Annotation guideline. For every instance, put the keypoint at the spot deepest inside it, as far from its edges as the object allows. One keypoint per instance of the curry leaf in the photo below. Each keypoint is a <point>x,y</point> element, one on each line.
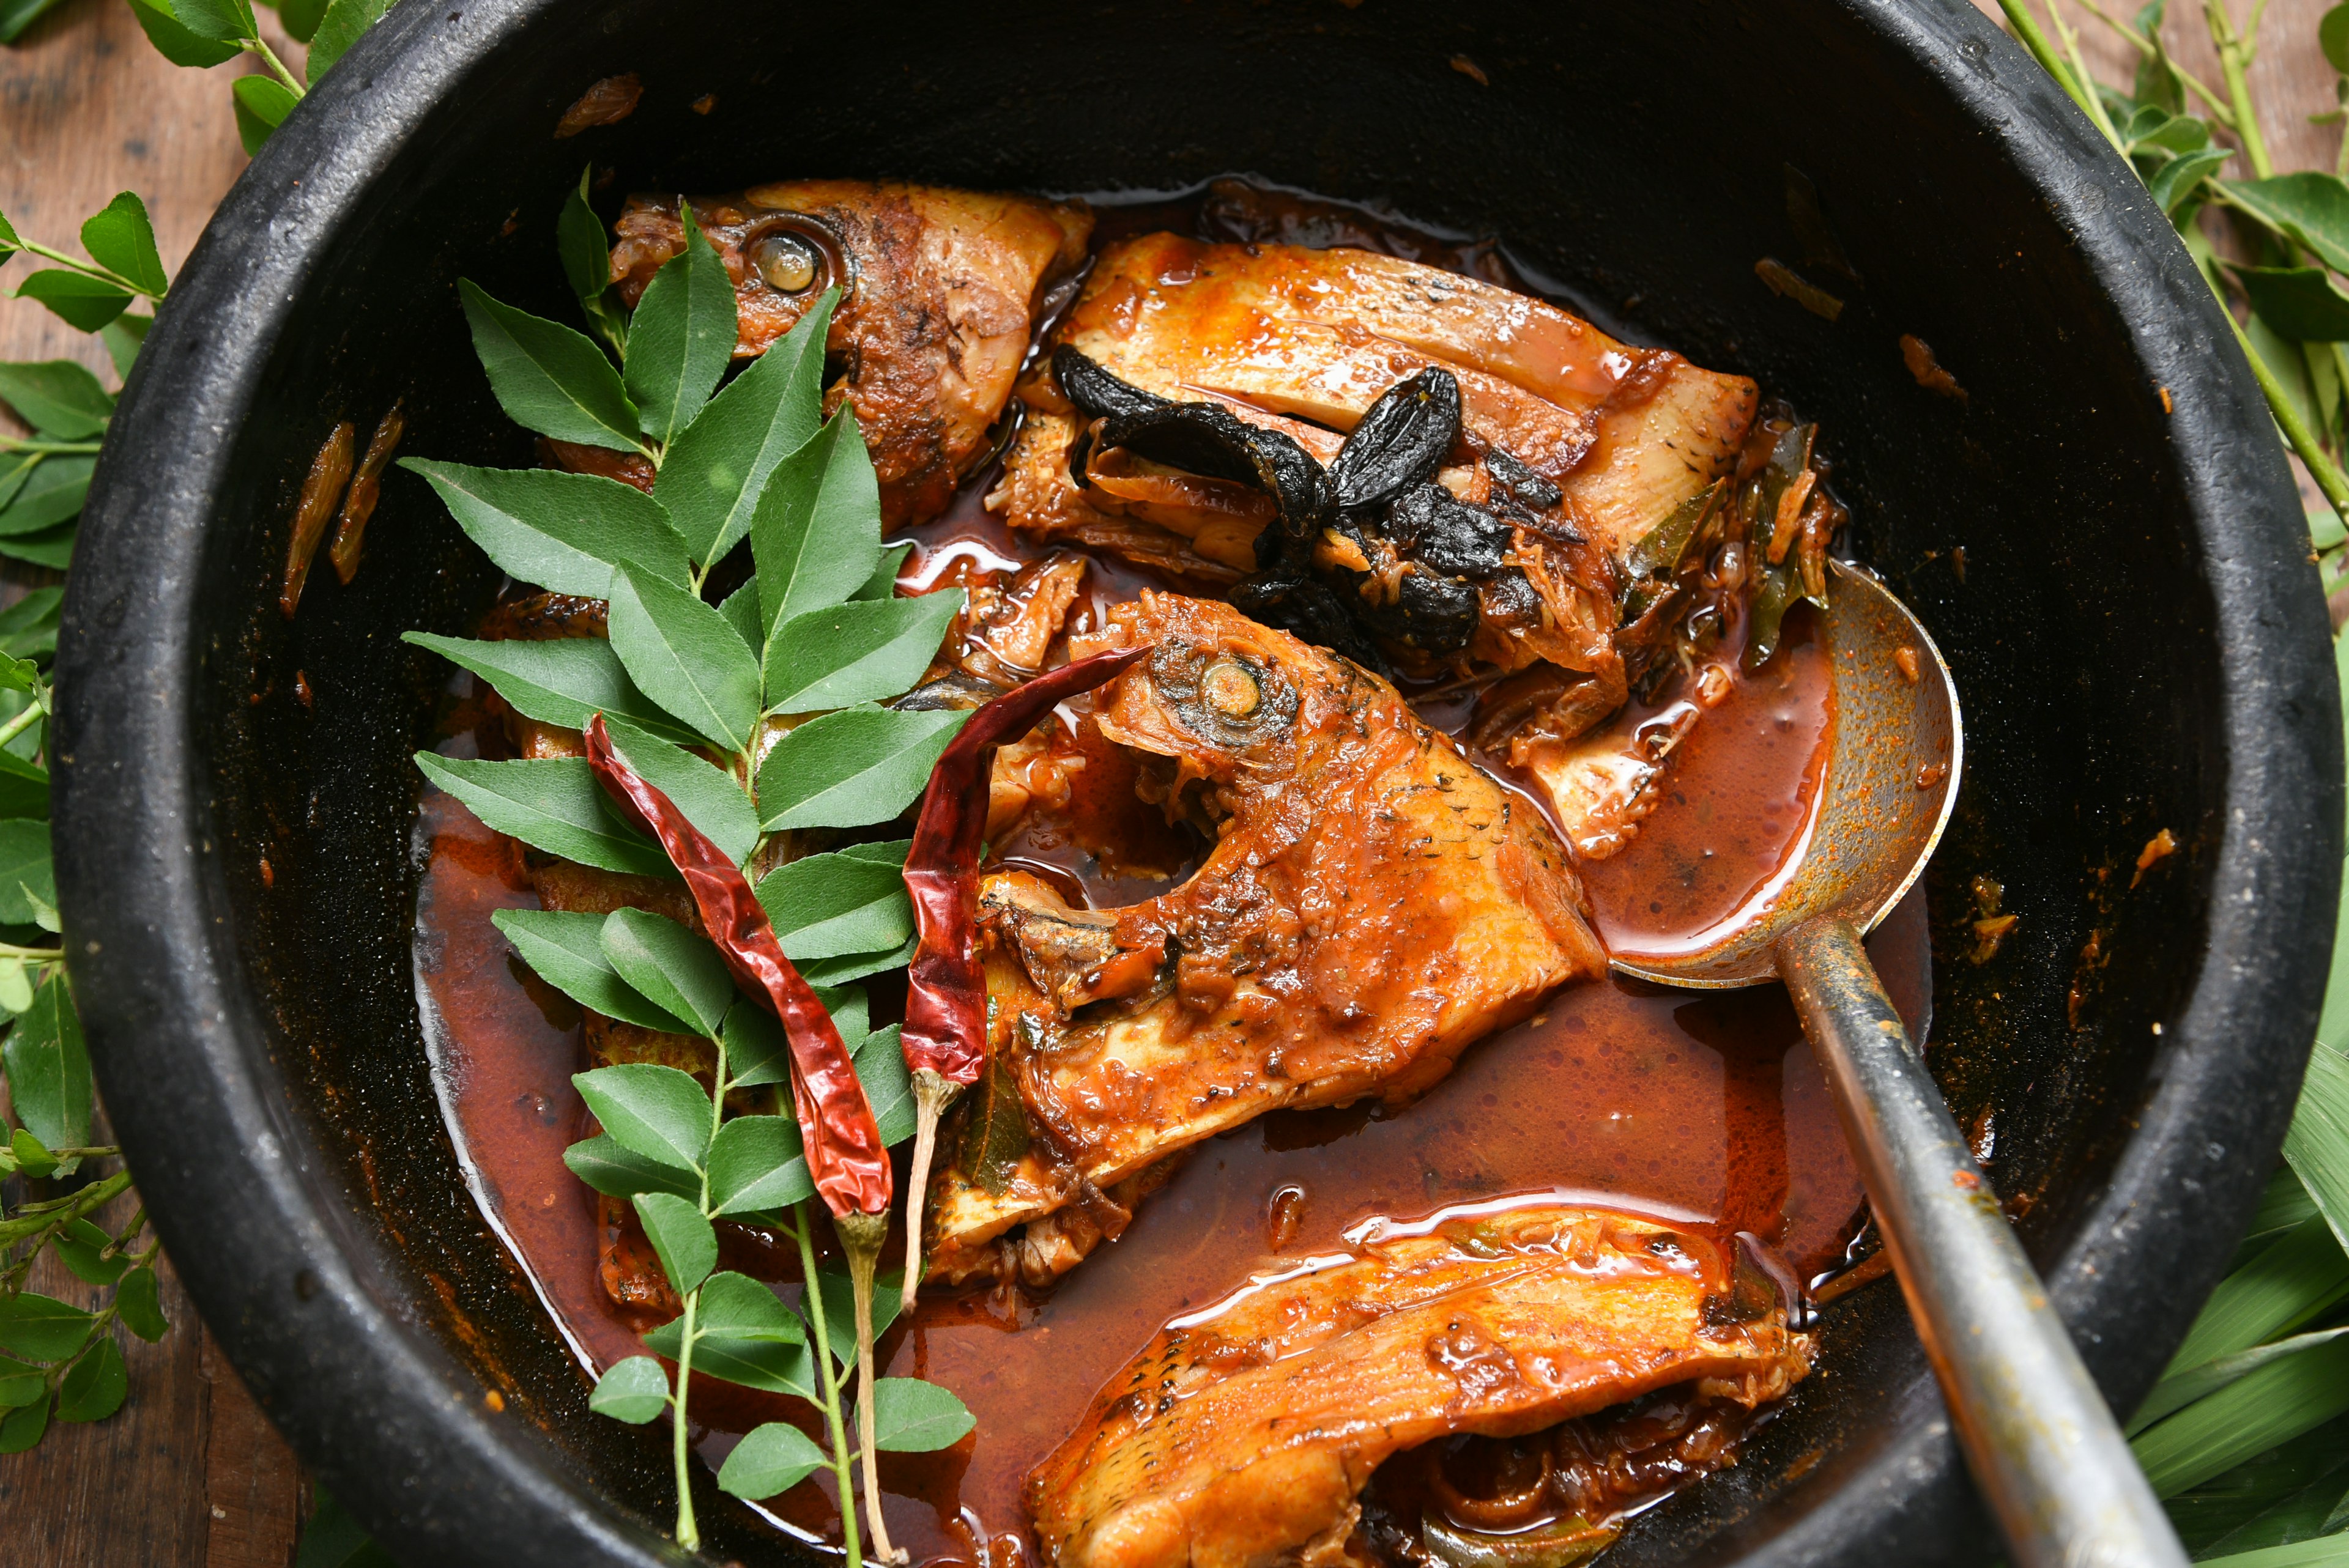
<point>756,1049</point>
<point>123,337</point>
<point>772,1458</point>
<point>682,1236</point>
<point>840,1310</point>
<point>135,1303</point>
<point>912,1417</point>
<point>566,949</point>
<point>839,971</point>
<point>95,1388</point>
<point>853,768</point>
<point>831,905</point>
<point>176,42</point>
<point>2302,304</point>
<point>863,651</point>
<point>20,1384</point>
<point>679,970</point>
<point>681,336</point>
<point>60,399</point>
<point>564,681</point>
<point>25,873</point>
<point>51,547</point>
<point>744,1335</point>
<point>712,477</point>
<point>888,1086</point>
<point>758,1163</point>
<point>547,377</point>
<point>119,238</point>
<point>816,533</point>
<point>24,787</point>
<point>262,104</point>
<point>83,302</point>
<point>685,656</point>
<point>709,799</point>
<point>338,28</point>
<point>995,1134</point>
<point>561,532</point>
<point>579,240</point>
<point>609,1167</point>
<point>49,495</point>
<point>2310,207</point>
<point>550,803</point>
<point>634,1390</point>
<point>656,1112</point>
<point>41,1327</point>
<point>16,16</point>
<point>2175,181</point>
<point>222,21</point>
<point>741,612</point>
<point>82,1245</point>
<point>48,1068</point>
<point>883,583</point>
<point>22,1428</point>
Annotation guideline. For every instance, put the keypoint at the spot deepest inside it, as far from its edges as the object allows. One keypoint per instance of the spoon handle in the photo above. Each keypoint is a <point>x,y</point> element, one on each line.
<point>2042,1446</point>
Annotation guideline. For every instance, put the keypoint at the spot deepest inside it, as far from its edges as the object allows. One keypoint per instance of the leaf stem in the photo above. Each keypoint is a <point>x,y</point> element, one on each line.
<point>2235,53</point>
<point>2090,100</point>
<point>89,269</point>
<point>33,713</point>
<point>2146,47</point>
<point>34,444</point>
<point>259,46</point>
<point>842,1468</point>
<point>41,955</point>
<point>2321,466</point>
<point>2027,30</point>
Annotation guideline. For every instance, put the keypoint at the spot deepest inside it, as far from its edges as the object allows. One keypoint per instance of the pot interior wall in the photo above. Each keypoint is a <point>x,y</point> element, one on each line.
<point>1633,156</point>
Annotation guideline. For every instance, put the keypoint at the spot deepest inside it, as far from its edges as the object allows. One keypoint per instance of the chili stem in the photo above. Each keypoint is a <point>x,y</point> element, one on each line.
<point>932,1095</point>
<point>861,1236</point>
<point>842,1472</point>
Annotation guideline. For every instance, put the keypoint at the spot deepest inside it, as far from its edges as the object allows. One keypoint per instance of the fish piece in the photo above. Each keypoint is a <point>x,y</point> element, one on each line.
<point>1373,904</point>
<point>1244,1435</point>
<point>942,289</point>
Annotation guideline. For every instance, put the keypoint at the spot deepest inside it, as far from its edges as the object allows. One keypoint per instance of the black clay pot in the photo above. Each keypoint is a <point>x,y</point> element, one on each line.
<point>2133,622</point>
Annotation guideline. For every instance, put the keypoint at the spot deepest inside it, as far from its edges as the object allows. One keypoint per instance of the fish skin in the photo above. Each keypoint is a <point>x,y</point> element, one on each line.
<point>1374,905</point>
<point>946,290</point>
<point>1242,1435</point>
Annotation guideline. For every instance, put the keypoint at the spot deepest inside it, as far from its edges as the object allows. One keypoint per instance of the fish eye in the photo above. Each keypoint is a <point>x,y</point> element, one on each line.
<point>785,261</point>
<point>1231,688</point>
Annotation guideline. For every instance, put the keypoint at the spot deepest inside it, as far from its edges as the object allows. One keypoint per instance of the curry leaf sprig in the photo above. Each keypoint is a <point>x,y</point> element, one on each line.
<point>765,718</point>
<point>2245,1437</point>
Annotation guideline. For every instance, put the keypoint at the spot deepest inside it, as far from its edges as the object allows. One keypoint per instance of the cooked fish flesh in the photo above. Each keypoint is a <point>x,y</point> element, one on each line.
<point>1244,1436</point>
<point>1371,906</point>
<point>941,291</point>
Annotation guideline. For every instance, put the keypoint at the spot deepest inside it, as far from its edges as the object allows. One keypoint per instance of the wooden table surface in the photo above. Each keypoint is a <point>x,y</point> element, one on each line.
<point>190,1473</point>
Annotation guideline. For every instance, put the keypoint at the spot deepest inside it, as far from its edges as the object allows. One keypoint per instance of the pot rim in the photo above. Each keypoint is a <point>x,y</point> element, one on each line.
<point>180,1052</point>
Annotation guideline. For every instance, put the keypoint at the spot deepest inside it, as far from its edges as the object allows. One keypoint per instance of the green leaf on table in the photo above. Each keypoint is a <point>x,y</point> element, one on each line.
<point>25,864</point>
<point>82,1245</point>
<point>2274,1405</point>
<point>51,547</point>
<point>656,1112</point>
<point>20,1384</point>
<point>563,532</point>
<point>2175,181</point>
<point>28,628</point>
<point>883,583</point>
<point>119,238</point>
<point>681,338</point>
<point>853,768</point>
<point>135,1302</point>
<point>10,240</point>
<point>912,1417</point>
<point>831,905</point>
<point>262,104</point>
<point>2301,304</point>
<point>681,971</point>
<point>124,336</point>
<point>816,533</point>
<point>743,1334</point>
<point>707,796</point>
<point>2333,37</point>
<point>682,1236</point>
<point>758,1163</point>
<point>51,494</point>
<point>16,15</point>
<point>550,803</point>
<point>82,302</point>
<point>772,1459</point>
<point>712,477</point>
<point>684,655</point>
<point>2178,1389</point>
<point>23,1427</point>
<point>861,651</point>
<point>338,28</point>
<point>562,680</point>
<point>566,950</point>
<point>840,1310</point>
<point>548,377</point>
<point>300,18</point>
<point>880,1072</point>
<point>48,1069</point>
<point>634,1390</point>
<point>60,399</point>
<point>95,1388</point>
<point>2299,1272</point>
<point>24,787</point>
<point>222,21</point>
<point>2310,207</point>
<point>2317,1144</point>
<point>40,1327</point>
<point>611,1168</point>
<point>175,41</point>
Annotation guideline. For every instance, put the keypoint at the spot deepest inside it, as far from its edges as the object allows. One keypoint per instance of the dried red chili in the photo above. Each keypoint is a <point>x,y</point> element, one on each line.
<point>945,1035</point>
<point>846,1160</point>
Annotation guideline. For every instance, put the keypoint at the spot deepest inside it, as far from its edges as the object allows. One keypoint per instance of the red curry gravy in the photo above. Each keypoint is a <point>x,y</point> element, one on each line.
<point>1705,1106</point>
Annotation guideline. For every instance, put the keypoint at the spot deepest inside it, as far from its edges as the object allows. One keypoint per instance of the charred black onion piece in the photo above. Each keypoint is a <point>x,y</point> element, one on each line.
<point>1435,613</point>
<point>1399,441</point>
<point>1288,599</point>
<point>1521,481</point>
<point>1095,391</point>
<point>1203,438</point>
<point>1427,524</point>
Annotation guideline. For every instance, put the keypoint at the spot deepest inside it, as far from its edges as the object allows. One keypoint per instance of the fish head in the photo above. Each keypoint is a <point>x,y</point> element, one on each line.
<point>1218,693</point>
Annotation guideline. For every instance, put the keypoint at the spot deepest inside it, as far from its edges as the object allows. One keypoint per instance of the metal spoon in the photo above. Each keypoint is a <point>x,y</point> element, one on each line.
<point>2042,1443</point>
